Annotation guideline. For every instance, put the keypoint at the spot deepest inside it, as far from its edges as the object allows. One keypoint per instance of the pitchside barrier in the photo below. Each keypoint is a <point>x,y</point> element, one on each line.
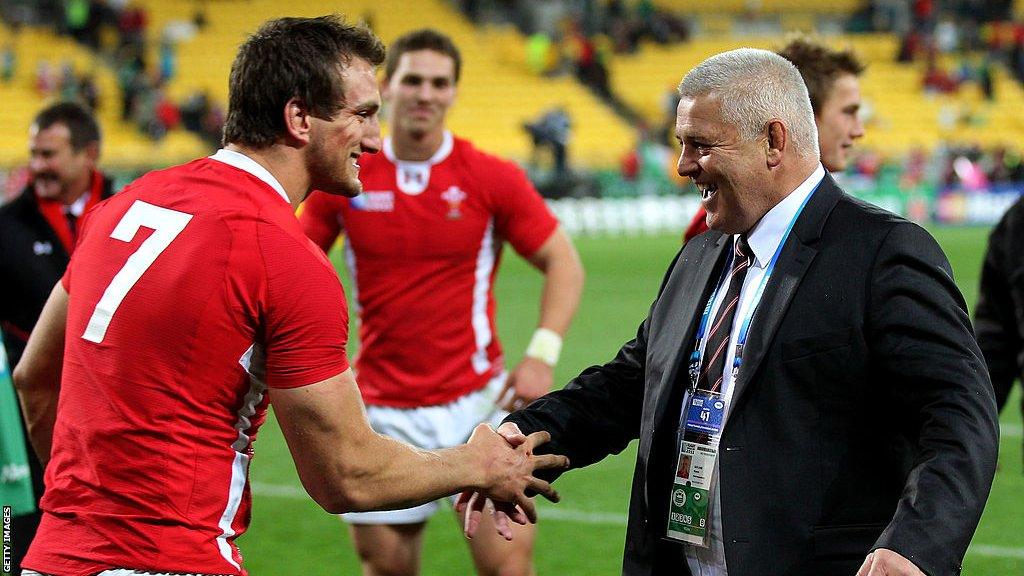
<point>649,215</point>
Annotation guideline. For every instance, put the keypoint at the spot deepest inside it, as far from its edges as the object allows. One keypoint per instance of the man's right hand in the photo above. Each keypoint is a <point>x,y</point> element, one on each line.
<point>508,468</point>
<point>504,510</point>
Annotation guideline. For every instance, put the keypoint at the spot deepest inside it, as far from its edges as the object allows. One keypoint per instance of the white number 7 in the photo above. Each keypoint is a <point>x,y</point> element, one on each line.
<point>167,224</point>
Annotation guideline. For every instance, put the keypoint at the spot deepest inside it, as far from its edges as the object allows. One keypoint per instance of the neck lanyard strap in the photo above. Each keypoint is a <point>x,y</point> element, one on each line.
<point>695,358</point>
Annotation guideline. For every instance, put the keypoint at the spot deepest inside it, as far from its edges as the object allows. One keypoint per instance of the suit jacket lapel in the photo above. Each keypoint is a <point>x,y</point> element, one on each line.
<point>681,318</point>
<point>795,259</point>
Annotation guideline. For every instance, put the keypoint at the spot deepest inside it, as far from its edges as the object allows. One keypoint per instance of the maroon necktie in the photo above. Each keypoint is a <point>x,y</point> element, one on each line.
<point>710,378</point>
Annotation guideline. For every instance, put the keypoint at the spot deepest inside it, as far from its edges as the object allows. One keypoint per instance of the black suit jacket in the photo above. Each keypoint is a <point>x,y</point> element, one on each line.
<point>863,416</point>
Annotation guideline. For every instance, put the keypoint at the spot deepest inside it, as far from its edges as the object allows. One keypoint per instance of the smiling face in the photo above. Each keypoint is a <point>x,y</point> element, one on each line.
<point>335,144</point>
<point>839,123</point>
<point>420,92</point>
<point>59,172</point>
<point>730,172</point>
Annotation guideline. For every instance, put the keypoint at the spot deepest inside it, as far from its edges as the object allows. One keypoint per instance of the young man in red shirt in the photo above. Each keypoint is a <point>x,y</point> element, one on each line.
<point>423,246</point>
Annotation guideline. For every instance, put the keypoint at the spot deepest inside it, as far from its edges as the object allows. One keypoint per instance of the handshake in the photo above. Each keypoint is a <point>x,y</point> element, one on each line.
<point>509,462</point>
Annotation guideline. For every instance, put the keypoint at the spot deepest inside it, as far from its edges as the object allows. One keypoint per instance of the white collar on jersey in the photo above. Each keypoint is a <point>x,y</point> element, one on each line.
<point>243,162</point>
<point>447,143</point>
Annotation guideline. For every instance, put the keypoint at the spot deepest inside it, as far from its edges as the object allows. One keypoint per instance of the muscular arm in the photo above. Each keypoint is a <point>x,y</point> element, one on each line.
<point>563,282</point>
<point>37,375</point>
<point>346,466</point>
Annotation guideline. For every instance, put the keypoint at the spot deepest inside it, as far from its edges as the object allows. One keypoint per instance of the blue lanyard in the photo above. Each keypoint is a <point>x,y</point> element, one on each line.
<point>696,359</point>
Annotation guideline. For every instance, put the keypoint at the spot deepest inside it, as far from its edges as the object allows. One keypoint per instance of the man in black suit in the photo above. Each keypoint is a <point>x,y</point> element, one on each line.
<point>855,430</point>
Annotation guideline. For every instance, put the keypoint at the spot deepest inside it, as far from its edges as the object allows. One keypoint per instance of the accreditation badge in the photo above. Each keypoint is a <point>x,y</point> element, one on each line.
<point>689,502</point>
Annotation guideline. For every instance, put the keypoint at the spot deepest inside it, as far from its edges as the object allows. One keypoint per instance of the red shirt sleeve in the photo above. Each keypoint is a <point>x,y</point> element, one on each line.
<point>306,318</point>
<point>520,214</point>
<point>320,218</point>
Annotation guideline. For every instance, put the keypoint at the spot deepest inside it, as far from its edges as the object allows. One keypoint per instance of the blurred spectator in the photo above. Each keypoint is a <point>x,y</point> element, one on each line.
<point>88,93</point>
<point>541,57</point>
<point>130,80</point>
<point>910,46</point>
<point>937,80</point>
<point>924,14</point>
<point>913,173</point>
<point>551,131</point>
<point>46,82</point>
<point>947,35</point>
<point>8,62</point>
<point>131,24</point>
<point>202,117</point>
<point>650,164</point>
<point>589,62</point>
<point>168,60</point>
<point>68,82</point>
<point>985,81</point>
<point>80,24</point>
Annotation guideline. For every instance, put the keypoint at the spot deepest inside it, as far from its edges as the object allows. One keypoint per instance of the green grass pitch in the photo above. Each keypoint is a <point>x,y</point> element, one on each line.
<point>584,534</point>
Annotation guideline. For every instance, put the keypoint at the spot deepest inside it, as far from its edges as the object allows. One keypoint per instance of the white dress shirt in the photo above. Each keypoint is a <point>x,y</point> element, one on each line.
<point>764,239</point>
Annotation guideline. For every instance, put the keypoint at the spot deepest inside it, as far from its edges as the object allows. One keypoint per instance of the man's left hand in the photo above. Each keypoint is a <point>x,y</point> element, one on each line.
<point>884,562</point>
<point>530,380</point>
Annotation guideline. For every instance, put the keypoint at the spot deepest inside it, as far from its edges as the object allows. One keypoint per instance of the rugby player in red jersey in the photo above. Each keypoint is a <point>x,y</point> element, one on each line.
<point>194,299</point>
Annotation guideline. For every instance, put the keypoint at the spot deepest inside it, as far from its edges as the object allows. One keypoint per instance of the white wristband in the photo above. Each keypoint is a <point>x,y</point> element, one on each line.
<point>546,346</point>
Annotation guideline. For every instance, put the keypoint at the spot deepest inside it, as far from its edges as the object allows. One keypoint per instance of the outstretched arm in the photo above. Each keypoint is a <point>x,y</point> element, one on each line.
<point>346,466</point>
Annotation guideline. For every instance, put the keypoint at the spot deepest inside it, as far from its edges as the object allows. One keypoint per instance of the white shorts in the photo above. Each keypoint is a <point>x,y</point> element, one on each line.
<point>432,428</point>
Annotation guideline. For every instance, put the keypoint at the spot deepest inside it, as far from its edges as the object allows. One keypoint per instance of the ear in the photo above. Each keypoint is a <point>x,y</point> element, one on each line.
<point>297,120</point>
<point>776,143</point>
<point>92,152</point>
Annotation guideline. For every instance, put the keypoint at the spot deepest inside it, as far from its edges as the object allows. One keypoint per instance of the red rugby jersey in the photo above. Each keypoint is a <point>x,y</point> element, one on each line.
<point>191,292</point>
<point>424,242</point>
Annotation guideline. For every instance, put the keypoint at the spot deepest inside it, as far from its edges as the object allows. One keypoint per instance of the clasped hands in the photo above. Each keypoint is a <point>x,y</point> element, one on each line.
<point>510,476</point>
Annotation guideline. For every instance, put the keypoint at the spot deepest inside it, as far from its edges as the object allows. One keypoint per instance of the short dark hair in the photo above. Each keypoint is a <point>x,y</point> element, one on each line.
<point>424,39</point>
<point>292,58</point>
<point>80,122</point>
<point>820,66</point>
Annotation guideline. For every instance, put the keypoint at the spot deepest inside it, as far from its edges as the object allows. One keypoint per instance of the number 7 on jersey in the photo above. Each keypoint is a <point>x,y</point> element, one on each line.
<point>167,224</point>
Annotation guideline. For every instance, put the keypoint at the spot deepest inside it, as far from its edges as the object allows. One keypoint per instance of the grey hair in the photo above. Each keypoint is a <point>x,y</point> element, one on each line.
<point>753,87</point>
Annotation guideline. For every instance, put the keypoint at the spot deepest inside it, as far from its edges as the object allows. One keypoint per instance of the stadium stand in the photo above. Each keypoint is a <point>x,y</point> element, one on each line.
<point>903,116</point>
<point>124,145</point>
<point>499,94</point>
